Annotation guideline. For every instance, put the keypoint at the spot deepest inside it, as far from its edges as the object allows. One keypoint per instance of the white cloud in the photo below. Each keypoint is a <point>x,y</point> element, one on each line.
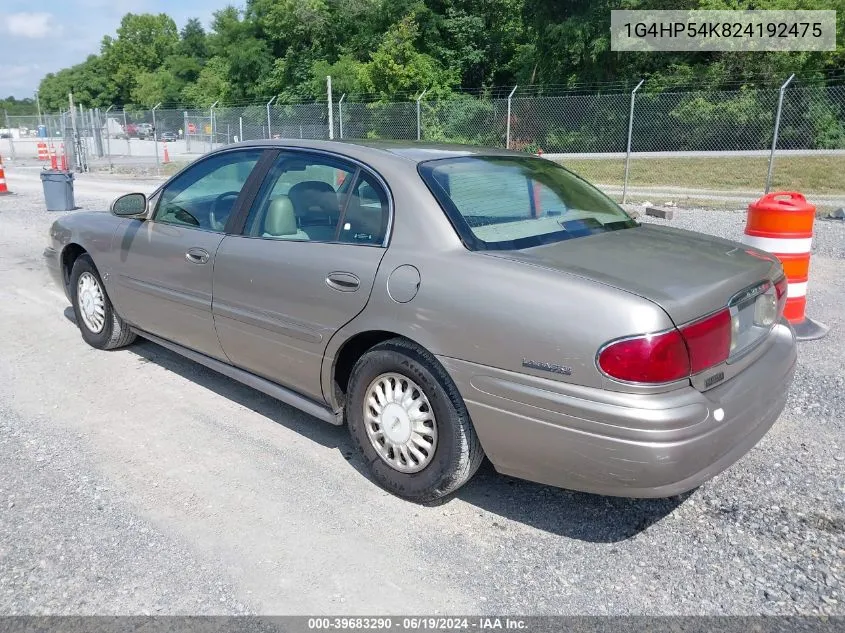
<point>31,25</point>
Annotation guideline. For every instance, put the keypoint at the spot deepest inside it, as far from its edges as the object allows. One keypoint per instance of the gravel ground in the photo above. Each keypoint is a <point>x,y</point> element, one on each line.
<point>137,482</point>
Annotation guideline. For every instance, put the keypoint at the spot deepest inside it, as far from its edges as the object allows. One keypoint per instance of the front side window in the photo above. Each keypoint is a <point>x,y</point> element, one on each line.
<point>204,195</point>
<point>515,202</point>
<point>319,199</point>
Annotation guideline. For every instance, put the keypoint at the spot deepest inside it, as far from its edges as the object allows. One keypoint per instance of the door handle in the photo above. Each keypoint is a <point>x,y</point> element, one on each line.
<point>345,282</point>
<point>197,255</point>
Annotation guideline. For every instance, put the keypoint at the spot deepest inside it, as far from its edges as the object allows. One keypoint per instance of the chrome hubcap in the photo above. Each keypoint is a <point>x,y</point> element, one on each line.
<point>92,302</point>
<point>400,422</point>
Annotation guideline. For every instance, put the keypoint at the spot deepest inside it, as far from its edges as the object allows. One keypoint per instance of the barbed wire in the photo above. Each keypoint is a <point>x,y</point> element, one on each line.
<point>654,84</point>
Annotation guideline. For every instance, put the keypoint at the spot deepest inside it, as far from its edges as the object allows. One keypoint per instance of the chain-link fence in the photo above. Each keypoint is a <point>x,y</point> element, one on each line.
<point>693,145</point>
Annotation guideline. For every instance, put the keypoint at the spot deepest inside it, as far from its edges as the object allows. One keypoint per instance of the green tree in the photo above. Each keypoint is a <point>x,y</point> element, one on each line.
<point>14,106</point>
<point>142,44</point>
<point>193,41</point>
<point>160,86</point>
<point>211,85</point>
<point>398,68</point>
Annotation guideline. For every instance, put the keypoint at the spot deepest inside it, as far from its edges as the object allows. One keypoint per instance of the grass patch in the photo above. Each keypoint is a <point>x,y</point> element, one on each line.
<point>807,174</point>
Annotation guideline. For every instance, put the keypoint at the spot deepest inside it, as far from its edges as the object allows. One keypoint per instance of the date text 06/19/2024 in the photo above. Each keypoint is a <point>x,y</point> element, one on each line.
<point>420,623</point>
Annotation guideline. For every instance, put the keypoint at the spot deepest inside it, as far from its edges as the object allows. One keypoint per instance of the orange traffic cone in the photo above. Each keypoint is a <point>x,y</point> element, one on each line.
<point>166,154</point>
<point>3,188</point>
<point>64,158</point>
<point>54,163</point>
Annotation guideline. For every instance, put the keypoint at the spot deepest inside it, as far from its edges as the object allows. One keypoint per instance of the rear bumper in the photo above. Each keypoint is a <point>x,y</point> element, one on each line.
<point>623,444</point>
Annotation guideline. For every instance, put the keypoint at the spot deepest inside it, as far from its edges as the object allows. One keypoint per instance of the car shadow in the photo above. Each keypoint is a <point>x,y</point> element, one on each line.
<point>306,425</point>
<point>576,515</point>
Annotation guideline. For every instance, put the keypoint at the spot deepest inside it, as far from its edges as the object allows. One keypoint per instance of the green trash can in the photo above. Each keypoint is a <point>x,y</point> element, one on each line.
<point>58,189</point>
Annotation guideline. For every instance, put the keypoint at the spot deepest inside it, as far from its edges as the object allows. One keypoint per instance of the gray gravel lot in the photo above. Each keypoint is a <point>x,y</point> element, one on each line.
<point>136,482</point>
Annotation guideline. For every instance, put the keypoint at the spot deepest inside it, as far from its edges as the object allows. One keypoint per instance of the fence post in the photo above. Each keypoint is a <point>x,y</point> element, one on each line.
<point>126,132</point>
<point>241,128</point>
<point>508,126</point>
<point>211,125</point>
<point>11,140</point>
<point>775,133</point>
<point>269,132</point>
<point>419,120</point>
<point>72,108</point>
<point>185,128</point>
<point>108,136</point>
<point>155,136</point>
<point>340,113</point>
<point>628,150</point>
<point>96,131</point>
<point>331,106</point>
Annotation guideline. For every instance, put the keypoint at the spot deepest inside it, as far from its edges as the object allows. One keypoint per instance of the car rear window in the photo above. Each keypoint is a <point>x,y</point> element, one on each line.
<point>504,202</point>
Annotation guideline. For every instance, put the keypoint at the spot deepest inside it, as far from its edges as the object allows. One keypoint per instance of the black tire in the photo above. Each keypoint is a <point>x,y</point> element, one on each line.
<point>458,453</point>
<point>115,332</point>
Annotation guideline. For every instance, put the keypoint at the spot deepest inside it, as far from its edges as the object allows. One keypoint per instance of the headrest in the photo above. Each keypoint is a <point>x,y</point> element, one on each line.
<point>280,218</point>
<point>314,196</point>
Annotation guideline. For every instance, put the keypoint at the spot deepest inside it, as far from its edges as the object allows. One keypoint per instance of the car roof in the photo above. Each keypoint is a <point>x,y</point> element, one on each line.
<point>411,151</point>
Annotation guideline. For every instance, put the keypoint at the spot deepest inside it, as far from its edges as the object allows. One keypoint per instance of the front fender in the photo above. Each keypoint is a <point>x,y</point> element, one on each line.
<point>89,232</point>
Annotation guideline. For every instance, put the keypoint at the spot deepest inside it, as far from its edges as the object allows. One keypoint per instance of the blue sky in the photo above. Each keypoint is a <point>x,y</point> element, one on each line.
<point>38,38</point>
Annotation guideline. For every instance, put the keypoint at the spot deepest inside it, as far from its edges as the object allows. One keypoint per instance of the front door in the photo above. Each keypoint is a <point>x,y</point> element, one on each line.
<point>303,267</point>
<point>165,269</point>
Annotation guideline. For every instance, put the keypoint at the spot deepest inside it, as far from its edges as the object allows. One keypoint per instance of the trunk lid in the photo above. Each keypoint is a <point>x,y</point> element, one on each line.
<point>687,274</point>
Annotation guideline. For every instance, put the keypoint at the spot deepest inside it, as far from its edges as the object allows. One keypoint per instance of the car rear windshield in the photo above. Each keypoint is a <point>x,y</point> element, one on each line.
<point>504,202</point>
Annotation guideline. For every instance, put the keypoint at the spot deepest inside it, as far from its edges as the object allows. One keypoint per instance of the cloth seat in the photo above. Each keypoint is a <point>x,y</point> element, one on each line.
<point>280,221</point>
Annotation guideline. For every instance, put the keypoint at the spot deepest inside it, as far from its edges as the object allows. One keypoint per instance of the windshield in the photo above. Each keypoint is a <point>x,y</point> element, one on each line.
<point>504,202</point>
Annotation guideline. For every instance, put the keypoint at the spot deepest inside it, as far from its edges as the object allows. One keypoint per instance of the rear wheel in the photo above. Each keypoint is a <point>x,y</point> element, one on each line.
<point>406,417</point>
<point>99,324</point>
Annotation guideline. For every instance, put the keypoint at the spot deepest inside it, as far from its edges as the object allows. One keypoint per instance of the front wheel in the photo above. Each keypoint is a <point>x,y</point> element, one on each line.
<point>99,324</point>
<point>408,420</point>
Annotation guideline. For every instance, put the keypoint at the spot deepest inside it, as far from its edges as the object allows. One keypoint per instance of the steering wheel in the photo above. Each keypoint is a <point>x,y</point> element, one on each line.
<point>219,213</point>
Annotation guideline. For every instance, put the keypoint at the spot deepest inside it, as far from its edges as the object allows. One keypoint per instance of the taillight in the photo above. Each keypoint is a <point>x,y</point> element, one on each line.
<point>672,355</point>
<point>700,345</point>
<point>653,358</point>
<point>781,287</point>
<point>708,340</point>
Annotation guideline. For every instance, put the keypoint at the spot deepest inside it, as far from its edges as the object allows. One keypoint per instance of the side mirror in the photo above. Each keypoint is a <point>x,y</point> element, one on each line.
<point>131,205</point>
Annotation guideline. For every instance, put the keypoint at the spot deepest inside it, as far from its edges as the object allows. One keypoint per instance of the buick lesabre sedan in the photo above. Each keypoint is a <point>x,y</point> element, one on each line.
<point>447,303</point>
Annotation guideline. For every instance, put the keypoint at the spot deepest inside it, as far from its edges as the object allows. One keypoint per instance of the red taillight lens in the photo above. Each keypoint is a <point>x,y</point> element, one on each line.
<point>651,358</point>
<point>781,287</point>
<point>708,340</point>
<point>673,355</point>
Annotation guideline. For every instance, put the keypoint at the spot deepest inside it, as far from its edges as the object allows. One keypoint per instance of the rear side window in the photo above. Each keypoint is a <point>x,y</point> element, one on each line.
<point>316,198</point>
<point>515,202</point>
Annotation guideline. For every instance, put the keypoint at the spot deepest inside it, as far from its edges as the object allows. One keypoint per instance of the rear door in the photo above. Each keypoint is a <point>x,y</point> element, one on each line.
<point>164,272</point>
<point>302,267</point>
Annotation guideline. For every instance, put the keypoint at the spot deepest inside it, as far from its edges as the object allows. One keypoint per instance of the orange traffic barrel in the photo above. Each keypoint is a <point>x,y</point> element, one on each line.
<point>43,152</point>
<point>3,188</point>
<point>782,224</point>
